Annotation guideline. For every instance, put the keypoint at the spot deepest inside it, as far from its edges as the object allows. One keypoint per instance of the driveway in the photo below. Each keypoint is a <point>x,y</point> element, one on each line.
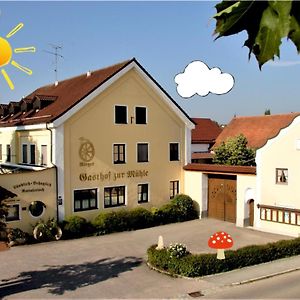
<point>111,266</point>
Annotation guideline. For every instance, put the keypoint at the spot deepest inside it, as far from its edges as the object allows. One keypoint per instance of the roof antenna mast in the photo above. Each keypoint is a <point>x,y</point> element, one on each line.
<point>57,55</point>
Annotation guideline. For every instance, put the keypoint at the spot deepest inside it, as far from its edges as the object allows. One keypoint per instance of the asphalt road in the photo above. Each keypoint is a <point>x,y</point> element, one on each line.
<point>279,287</point>
<point>111,266</point>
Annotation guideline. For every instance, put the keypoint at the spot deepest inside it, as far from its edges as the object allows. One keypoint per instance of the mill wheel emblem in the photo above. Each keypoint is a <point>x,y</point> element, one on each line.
<point>86,150</point>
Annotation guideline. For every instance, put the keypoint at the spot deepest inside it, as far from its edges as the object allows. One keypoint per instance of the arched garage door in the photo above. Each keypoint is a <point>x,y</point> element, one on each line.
<point>222,197</point>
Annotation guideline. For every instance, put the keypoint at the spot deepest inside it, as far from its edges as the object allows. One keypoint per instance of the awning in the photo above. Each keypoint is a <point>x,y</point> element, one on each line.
<point>5,194</point>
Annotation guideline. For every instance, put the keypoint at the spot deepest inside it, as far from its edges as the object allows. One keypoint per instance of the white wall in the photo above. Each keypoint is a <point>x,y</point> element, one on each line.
<point>200,147</point>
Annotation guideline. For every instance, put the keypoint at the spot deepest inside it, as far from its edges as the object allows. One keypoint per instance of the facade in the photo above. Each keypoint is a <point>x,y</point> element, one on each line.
<point>263,197</point>
<point>114,138</point>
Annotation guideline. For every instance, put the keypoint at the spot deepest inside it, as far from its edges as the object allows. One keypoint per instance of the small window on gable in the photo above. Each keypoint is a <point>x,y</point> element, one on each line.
<point>120,114</point>
<point>281,176</point>
<point>174,151</point>
<point>142,152</point>
<point>119,153</point>
<point>140,115</point>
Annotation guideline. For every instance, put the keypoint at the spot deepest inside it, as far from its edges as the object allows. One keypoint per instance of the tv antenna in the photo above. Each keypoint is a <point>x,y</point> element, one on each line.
<point>57,55</point>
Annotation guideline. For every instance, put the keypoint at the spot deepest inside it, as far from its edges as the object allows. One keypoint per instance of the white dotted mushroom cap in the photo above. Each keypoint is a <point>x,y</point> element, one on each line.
<point>220,240</point>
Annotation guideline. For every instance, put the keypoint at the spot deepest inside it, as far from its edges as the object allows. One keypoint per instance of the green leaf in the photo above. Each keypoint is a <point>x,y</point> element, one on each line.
<point>274,25</point>
<point>294,33</point>
<point>232,19</point>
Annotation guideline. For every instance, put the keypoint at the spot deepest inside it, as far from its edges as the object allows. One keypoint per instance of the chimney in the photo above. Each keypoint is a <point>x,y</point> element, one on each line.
<point>88,73</point>
<point>56,83</point>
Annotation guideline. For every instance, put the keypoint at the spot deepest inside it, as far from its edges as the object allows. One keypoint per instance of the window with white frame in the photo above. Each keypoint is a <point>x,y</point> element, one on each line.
<point>32,154</point>
<point>143,193</point>
<point>114,196</point>
<point>174,188</point>
<point>13,213</point>
<point>44,158</point>
<point>140,115</point>
<point>85,199</point>
<point>174,151</point>
<point>24,154</point>
<point>281,176</point>
<point>120,114</point>
<point>142,152</point>
<point>119,153</point>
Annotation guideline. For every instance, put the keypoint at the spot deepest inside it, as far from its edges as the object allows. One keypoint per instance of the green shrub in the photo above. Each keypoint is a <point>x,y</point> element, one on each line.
<point>76,226</point>
<point>140,218</point>
<point>184,206</point>
<point>112,221</point>
<point>205,264</point>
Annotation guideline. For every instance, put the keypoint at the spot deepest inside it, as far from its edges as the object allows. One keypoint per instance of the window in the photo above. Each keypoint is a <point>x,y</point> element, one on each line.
<point>140,115</point>
<point>24,154</point>
<point>36,208</point>
<point>13,213</point>
<point>143,193</point>
<point>282,176</point>
<point>119,153</point>
<point>0,152</point>
<point>120,114</point>
<point>85,199</point>
<point>142,152</point>
<point>114,196</point>
<point>174,188</point>
<point>44,158</point>
<point>32,154</point>
<point>8,153</point>
<point>174,151</point>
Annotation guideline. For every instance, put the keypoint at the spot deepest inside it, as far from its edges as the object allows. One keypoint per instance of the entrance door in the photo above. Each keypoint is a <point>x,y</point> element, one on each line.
<point>251,212</point>
<point>222,197</point>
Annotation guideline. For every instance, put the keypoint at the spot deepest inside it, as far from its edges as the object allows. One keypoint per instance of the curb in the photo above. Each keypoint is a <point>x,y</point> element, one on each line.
<point>263,277</point>
<point>228,284</point>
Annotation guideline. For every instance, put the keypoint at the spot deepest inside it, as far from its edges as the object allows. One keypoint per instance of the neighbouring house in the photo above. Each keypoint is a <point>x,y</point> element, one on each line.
<point>264,196</point>
<point>204,136</point>
<point>103,140</point>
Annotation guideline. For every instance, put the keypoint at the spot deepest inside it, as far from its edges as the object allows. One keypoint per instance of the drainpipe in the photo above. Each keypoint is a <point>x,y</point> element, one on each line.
<point>56,172</point>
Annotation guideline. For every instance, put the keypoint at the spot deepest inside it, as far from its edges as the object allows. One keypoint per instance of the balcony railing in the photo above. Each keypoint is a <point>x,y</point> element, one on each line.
<point>279,214</point>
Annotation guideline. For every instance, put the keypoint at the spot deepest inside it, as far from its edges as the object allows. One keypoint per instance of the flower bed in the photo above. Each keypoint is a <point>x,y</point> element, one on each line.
<point>196,265</point>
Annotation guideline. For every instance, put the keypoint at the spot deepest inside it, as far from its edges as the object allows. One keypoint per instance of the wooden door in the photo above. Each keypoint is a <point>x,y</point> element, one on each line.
<point>251,212</point>
<point>222,197</point>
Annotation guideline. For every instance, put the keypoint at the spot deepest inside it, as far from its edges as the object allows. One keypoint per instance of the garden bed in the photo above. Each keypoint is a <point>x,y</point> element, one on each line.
<point>197,265</point>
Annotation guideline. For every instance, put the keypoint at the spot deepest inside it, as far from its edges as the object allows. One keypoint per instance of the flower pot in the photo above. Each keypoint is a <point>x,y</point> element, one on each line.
<point>3,246</point>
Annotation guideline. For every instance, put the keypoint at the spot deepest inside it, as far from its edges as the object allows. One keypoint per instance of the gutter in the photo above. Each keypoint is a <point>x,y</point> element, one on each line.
<point>56,172</point>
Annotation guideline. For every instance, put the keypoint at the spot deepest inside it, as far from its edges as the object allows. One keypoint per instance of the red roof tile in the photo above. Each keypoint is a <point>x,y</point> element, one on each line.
<point>257,129</point>
<point>64,95</point>
<point>206,131</point>
<point>210,168</point>
<point>202,155</point>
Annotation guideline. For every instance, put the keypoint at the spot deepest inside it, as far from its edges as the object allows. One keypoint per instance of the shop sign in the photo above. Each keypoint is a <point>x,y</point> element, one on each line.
<point>32,186</point>
<point>86,152</point>
<point>103,176</point>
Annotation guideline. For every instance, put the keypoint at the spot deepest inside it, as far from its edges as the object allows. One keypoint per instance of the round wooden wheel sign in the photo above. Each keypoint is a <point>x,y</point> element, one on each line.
<point>86,151</point>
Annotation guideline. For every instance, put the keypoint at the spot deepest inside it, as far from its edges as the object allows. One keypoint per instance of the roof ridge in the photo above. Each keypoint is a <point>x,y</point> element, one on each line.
<point>266,116</point>
<point>84,74</point>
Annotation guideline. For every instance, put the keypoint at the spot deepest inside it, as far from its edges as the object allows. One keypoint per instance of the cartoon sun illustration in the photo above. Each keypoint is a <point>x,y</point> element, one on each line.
<point>6,53</point>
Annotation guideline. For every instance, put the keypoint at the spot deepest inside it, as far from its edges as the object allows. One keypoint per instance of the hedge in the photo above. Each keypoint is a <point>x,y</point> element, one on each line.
<point>196,265</point>
<point>179,209</point>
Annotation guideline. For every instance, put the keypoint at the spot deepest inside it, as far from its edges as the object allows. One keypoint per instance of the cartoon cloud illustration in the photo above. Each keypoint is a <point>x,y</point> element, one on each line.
<point>198,78</point>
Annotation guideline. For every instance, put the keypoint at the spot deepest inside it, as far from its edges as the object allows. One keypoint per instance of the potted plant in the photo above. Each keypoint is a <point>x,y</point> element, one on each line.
<point>3,234</point>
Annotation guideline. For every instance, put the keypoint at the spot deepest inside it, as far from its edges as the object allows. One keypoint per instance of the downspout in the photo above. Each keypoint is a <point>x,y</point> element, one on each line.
<point>56,172</point>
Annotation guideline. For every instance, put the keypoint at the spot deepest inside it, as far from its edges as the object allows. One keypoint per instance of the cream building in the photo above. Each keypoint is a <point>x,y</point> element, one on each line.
<point>104,140</point>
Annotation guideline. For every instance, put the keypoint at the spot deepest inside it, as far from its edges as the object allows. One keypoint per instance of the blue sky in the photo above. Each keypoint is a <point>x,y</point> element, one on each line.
<point>164,37</point>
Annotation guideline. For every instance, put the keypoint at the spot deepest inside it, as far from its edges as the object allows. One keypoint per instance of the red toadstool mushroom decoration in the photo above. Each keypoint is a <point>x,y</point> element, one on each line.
<point>220,241</point>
